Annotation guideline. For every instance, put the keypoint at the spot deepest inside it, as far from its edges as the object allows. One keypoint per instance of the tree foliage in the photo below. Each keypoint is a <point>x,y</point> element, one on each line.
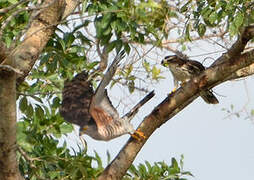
<point>100,27</point>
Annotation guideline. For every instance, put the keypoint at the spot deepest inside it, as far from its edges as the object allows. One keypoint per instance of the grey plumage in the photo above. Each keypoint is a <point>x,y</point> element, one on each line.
<point>93,111</point>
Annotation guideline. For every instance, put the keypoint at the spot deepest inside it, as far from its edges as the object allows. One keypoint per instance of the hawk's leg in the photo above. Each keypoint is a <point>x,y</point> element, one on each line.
<point>138,135</point>
<point>176,85</point>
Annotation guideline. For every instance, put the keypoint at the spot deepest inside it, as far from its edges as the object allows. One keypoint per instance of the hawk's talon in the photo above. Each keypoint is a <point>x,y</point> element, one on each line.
<point>174,90</point>
<point>138,135</point>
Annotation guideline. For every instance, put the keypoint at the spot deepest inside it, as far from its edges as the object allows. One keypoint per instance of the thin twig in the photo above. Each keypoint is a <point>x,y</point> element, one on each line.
<point>5,10</point>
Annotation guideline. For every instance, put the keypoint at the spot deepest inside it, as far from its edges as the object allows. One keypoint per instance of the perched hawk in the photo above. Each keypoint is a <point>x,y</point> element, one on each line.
<point>183,70</point>
<point>93,111</point>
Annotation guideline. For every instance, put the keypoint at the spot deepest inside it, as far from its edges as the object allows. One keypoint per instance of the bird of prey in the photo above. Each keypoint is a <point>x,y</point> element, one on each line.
<point>93,111</point>
<point>183,70</point>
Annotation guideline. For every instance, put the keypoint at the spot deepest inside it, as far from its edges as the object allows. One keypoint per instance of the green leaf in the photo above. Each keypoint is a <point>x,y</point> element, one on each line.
<point>148,165</point>
<point>142,169</point>
<point>84,5</point>
<point>155,73</point>
<point>91,65</point>
<point>22,137</point>
<point>56,102</point>
<point>110,46</point>
<point>61,41</point>
<point>29,110</point>
<point>252,112</point>
<point>187,32</point>
<point>23,104</point>
<point>39,112</point>
<point>131,86</point>
<point>213,17</point>
<point>98,159</point>
<point>105,21</point>
<point>181,161</point>
<point>184,8</point>
<point>13,1</point>
<point>133,170</point>
<point>232,29</point>
<point>129,70</point>
<point>108,157</point>
<point>201,29</point>
<point>66,128</point>
<point>238,20</point>
<point>146,65</point>
<point>127,48</point>
<point>68,39</point>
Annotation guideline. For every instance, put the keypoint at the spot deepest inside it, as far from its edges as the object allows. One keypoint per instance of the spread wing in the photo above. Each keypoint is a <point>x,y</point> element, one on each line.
<point>101,108</point>
<point>77,95</point>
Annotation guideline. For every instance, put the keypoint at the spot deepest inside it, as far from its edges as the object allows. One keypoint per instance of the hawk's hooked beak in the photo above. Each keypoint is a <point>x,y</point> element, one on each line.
<point>165,61</point>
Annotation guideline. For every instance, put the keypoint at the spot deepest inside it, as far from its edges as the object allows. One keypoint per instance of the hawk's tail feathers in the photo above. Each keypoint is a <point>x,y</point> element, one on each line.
<point>209,97</point>
<point>135,109</point>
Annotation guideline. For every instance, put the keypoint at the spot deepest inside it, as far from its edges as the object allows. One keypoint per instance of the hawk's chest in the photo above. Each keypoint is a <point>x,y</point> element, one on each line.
<point>179,73</point>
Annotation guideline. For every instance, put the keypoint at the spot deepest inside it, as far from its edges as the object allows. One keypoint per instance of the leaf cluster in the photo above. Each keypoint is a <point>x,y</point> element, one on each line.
<point>205,14</point>
<point>158,171</point>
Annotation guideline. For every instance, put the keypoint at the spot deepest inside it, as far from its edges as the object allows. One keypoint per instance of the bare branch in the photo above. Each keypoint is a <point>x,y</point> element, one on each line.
<point>103,56</point>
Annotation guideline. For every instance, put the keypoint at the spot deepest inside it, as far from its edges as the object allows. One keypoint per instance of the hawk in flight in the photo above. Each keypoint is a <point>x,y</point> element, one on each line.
<point>183,70</point>
<point>93,111</point>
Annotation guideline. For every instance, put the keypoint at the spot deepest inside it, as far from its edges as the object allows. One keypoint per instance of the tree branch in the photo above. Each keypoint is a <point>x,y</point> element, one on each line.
<point>4,51</point>
<point>9,166</point>
<point>21,60</point>
<point>42,27</point>
<point>238,47</point>
<point>175,102</point>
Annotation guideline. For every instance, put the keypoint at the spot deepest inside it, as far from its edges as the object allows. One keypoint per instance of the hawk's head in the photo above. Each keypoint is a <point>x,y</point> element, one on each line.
<point>172,61</point>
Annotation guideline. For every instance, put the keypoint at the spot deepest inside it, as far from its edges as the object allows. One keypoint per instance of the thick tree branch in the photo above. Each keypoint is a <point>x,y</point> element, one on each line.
<point>238,47</point>
<point>21,60</point>
<point>241,73</point>
<point>8,163</point>
<point>4,51</point>
<point>43,26</point>
<point>24,56</point>
<point>227,64</point>
<point>70,7</point>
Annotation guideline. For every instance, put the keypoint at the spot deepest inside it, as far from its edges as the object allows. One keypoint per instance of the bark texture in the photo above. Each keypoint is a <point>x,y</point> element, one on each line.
<point>42,27</point>
<point>222,70</point>
<point>22,58</point>
<point>8,162</point>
